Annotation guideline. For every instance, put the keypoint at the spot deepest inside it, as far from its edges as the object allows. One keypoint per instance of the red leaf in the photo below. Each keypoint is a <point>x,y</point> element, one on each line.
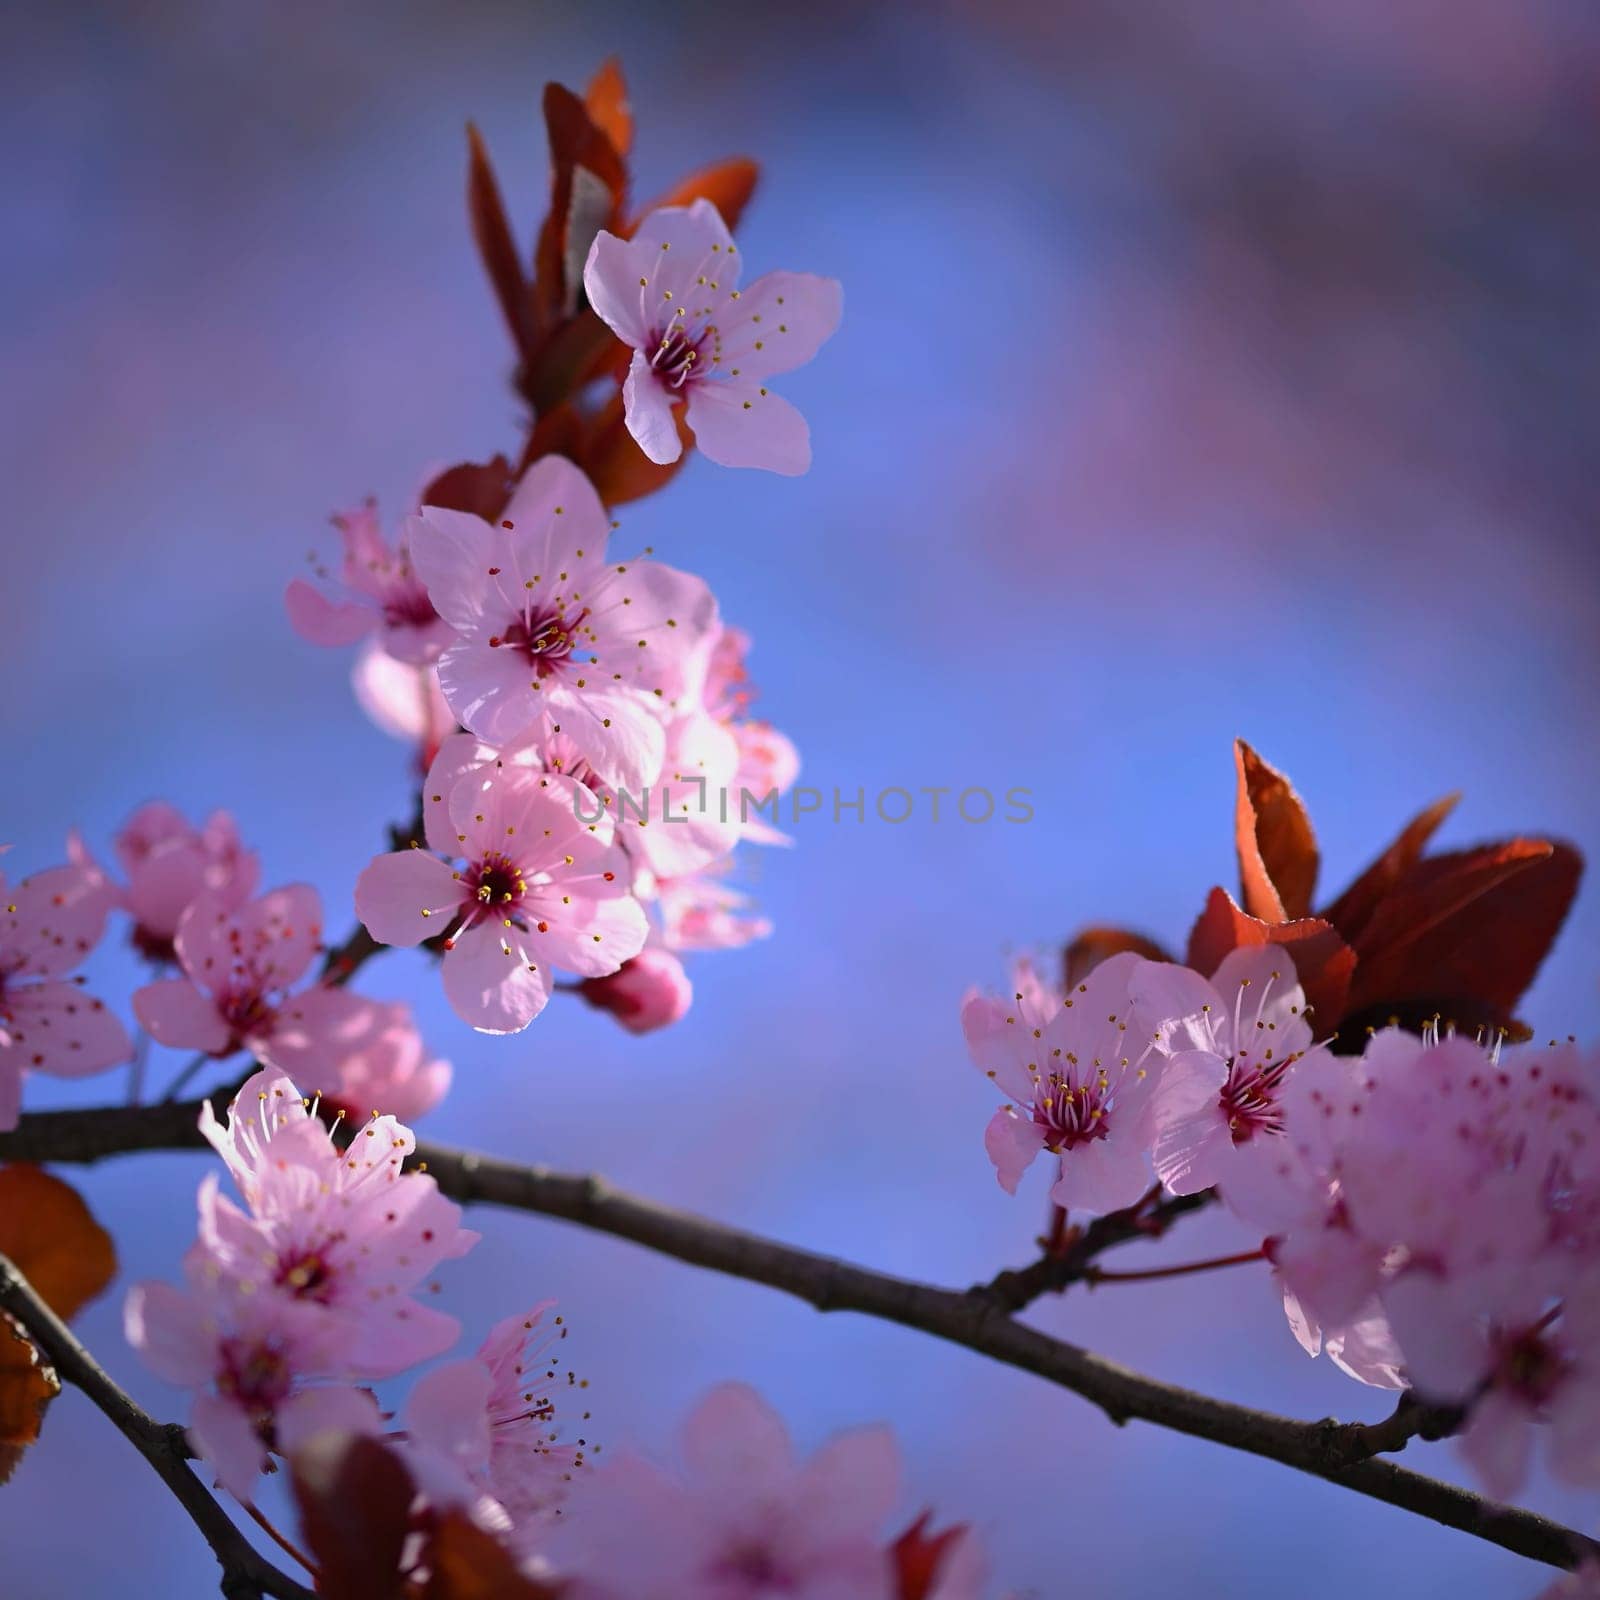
<point>55,1243</point>
<point>1277,849</point>
<point>479,487</point>
<point>575,142</point>
<point>465,1563</point>
<point>1349,913</point>
<point>1099,943</point>
<point>918,1557</point>
<point>1467,931</point>
<point>1323,962</point>
<point>728,185</point>
<point>606,101</point>
<point>496,246</point>
<point>355,1499</point>
<point>617,467</point>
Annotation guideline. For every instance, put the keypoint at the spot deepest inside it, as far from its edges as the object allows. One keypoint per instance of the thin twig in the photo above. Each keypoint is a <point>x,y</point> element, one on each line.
<point>1184,1269</point>
<point>1343,1453</point>
<point>246,1574</point>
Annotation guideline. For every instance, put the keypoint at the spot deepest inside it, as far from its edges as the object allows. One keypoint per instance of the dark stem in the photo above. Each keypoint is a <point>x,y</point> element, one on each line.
<point>246,1575</point>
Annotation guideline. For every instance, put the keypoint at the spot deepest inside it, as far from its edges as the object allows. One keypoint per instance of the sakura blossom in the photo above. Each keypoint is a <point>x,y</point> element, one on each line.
<point>386,596</point>
<point>169,863</point>
<point>247,1358</point>
<point>536,888</point>
<point>551,635</point>
<point>672,293</point>
<point>651,991</point>
<point>702,911</point>
<point>238,970</point>
<point>1079,1084</point>
<point>483,1433</point>
<point>382,1064</point>
<point>345,1230</point>
<point>741,1519</point>
<point>1230,1044</point>
<point>49,924</point>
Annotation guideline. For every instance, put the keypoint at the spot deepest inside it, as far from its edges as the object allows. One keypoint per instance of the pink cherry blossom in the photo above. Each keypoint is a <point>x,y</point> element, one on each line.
<point>250,1357</point>
<point>536,887</point>
<point>672,293</point>
<point>1079,1084</point>
<point>742,1520</point>
<point>689,817</point>
<point>345,1231</point>
<point>702,912</point>
<point>1230,1044</point>
<point>48,924</point>
<point>404,701</point>
<point>649,992</point>
<point>382,1064</point>
<point>170,863</point>
<point>238,970</point>
<point>482,1433</point>
<point>386,596</point>
<point>549,634</point>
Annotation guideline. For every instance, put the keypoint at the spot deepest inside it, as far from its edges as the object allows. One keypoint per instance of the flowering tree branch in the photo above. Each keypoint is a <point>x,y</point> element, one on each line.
<point>980,1318</point>
<point>246,1575</point>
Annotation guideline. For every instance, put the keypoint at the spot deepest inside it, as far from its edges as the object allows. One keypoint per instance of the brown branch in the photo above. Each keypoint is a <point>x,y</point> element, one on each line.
<point>246,1575</point>
<point>1343,1453</point>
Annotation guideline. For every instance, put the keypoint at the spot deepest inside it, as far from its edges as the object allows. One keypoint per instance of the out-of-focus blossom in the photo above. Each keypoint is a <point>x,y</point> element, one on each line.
<point>548,633</point>
<point>249,1357</point>
<point>671,292</point>
<point>701,912</point>
<point>169,863</point>
<point>386,596</point>
<point>404,701</point>
<point>1079,1082</point>
<point>49,923</point>
<point>1582,1584</point>
<point>1230,1044</point>
<point>382,1065</point>
<point>649,992</point>
<point>742,1519</point>
<point>537,887</point>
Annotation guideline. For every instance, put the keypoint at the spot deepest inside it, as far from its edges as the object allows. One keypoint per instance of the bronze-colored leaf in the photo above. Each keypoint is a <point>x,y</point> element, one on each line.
<point>1468,930</point>
<point>1351,911</point>
<point>483,488</point>
<point>498,249</point>
<point>354,1496</point>
<point>52,1237</point>
<point>606,101</point>
<point>1099,943</point>
<point>1277,849</point>
<point>465,1563</point>
<point>575,142</point>
<point>27,1386</point>
<point>728,185</point>
<point>1323,962</point>
<point>53,1240</point>
<point>617,467</point>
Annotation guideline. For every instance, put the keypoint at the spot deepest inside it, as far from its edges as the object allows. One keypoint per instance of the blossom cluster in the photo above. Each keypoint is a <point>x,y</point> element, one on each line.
<point>1431,1207</point>
<point>575,678</point>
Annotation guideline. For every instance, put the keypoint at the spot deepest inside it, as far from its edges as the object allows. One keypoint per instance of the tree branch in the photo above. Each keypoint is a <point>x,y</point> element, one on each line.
<point>980,1319</point>
<point>246,1575</point>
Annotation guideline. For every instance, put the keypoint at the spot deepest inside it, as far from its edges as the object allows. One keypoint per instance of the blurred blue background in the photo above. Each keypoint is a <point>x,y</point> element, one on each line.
<point>1205,371</point>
